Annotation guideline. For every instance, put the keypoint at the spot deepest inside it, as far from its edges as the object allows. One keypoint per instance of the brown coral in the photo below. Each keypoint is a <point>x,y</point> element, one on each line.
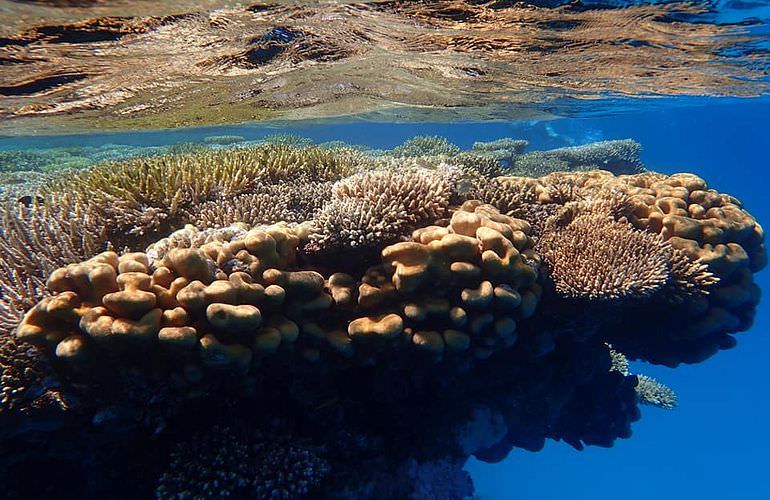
<point>35,240</point>
<point>595,257</point>
<point>231,303</point>
<point>142,198</point>
<point>457,288</point>
<point>711,238</point>
<point>288,201</point>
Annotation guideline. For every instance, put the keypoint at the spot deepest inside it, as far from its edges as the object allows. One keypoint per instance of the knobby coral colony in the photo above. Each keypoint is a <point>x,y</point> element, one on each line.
<point>361,336</point>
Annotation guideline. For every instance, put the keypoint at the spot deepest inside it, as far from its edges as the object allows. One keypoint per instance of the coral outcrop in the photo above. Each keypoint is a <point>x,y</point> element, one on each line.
<point>228,304</point>
<point>365,344</point>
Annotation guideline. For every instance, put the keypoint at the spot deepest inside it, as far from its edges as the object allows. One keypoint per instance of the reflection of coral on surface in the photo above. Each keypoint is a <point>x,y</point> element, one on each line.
<point>306,337</point>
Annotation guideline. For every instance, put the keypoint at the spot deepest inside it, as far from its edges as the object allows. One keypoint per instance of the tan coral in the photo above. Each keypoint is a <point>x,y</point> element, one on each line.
<point>388,327</point>
<point>381,206</point>
<point>476,276</point>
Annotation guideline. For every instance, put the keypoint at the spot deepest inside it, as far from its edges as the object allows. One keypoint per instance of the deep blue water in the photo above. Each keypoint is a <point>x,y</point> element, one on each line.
<point>716,444</point>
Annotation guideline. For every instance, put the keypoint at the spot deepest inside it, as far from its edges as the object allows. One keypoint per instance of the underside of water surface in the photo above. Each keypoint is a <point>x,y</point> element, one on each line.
<point>383,249</point>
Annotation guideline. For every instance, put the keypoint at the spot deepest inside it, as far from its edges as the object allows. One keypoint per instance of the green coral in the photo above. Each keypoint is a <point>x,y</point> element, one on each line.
<point>649,391</point>
<point>619,157</point>
<point>223,139</point>
<point>425,145</point>
<point>503,150</point>
<point>293,140</point>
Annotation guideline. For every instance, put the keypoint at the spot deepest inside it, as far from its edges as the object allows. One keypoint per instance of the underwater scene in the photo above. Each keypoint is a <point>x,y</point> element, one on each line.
<point>390,249</point>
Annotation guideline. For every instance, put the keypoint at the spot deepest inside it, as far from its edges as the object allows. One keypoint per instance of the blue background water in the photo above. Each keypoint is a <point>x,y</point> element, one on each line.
<point>716,444</point>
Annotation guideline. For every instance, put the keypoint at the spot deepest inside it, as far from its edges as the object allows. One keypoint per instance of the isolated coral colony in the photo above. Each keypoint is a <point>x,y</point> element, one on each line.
<point>283,320</point>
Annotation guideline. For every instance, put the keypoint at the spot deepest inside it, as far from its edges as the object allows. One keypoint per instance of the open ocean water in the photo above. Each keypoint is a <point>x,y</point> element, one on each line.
<point>714,444</point>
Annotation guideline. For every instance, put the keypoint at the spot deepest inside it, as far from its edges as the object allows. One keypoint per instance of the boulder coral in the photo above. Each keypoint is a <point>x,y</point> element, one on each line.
<point>228,304</point>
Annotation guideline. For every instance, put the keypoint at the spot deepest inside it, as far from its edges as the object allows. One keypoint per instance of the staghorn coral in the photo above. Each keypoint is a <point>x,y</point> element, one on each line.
<point>598,258</point>
<point>380,206</point>
<point>229,462</point>
<point>284,139</point>
<point>650,391</point>
<point>147,196</point>
<point>223,139</point>
<point>289,201</point>
<point>36,239</point>
<point>28,382</point>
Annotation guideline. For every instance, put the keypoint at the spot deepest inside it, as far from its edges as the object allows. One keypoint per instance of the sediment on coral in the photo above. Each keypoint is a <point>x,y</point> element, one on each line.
<point>501,310</point>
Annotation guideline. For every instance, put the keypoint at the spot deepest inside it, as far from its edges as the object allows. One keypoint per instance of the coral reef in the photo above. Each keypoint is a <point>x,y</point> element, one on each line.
<point>335,326</point>
<point>425,145</point>
<point>223,139</point>
<point>380,206</point>
<point>286,471</point>
<point>619,157</point>
<point>28,382</point>
<point>213,464</point>
<point>650,391</point>
<point>146,197</point>
<point>504,150</point>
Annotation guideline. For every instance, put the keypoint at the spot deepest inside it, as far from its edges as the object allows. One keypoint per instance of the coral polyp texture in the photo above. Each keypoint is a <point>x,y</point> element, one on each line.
<point>305,304</point>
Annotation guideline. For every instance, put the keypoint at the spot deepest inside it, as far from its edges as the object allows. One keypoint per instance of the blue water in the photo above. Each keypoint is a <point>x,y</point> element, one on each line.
<point>715,444</point>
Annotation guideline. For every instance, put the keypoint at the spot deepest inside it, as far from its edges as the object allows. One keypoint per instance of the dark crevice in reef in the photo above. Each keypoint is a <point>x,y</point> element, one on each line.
<point>41,84</point>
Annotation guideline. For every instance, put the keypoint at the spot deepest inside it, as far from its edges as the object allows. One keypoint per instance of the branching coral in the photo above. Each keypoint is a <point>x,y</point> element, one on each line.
<point>213,464</point>
<point>289,201</point>
<point>650,391</point>
<point>425,145</point>
<point>598,258</point>
<point>149,195</point>
<point>618,157</point>
<point>503,150</point>
<point>34,240</point>
<point>287,472</point>
<point>381,206</point>
<point>702,227</point>
<point>227,462</point>
<point>27,380</point>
